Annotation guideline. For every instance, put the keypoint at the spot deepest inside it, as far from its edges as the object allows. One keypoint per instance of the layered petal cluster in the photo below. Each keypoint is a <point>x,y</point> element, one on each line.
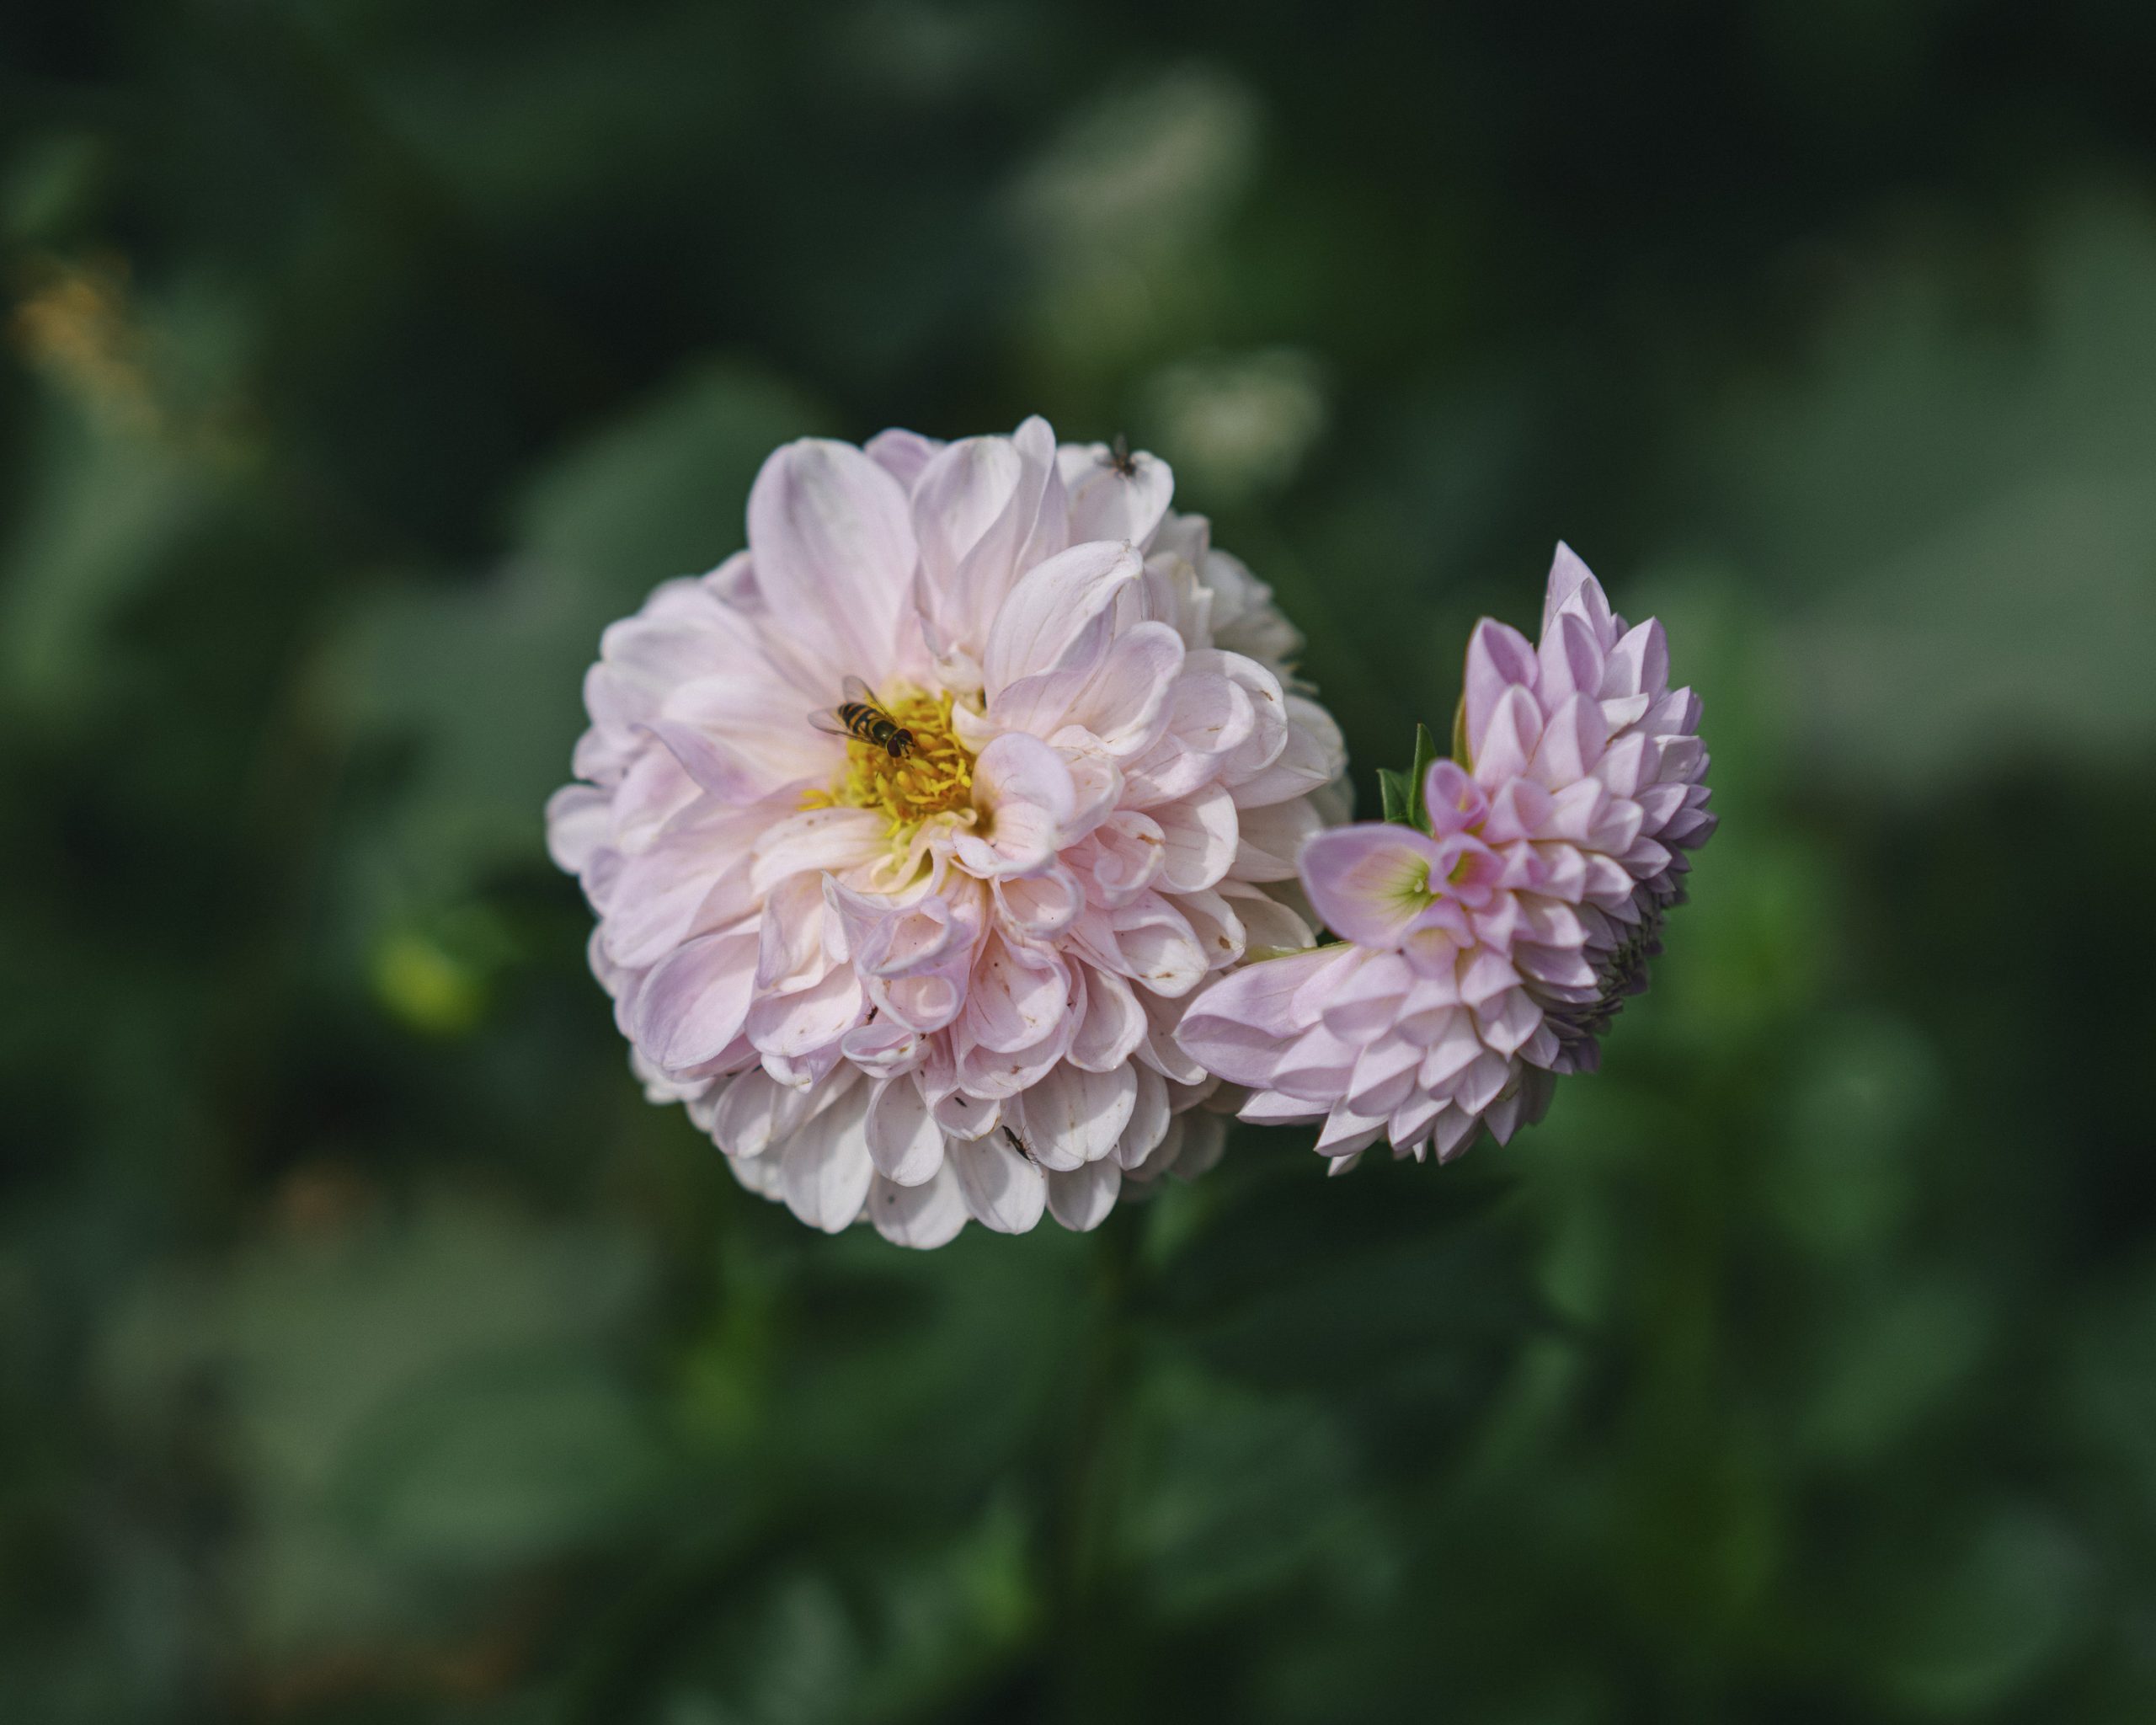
<point>1482,957</point>
<point>936,976</point>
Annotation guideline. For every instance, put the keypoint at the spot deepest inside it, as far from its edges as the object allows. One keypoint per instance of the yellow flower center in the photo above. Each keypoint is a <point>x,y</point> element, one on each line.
<point>934,777</point>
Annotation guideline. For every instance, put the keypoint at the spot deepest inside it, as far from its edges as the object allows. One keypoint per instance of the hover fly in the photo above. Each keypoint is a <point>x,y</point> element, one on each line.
<point>860,717</point>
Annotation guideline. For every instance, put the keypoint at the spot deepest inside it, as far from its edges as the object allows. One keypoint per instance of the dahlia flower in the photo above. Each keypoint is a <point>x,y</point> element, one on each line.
<point>931,968</point>
<point>1483,946</point>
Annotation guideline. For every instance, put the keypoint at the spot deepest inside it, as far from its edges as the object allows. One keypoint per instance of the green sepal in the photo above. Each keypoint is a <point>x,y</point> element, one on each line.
<point>1401,793</point>
<point>1460,733</point>
<point>1393,792</point>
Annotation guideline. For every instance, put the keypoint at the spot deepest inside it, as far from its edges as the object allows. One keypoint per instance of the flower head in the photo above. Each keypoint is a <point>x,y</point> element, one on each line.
<point>911,829</point>
<point>1483,951</point>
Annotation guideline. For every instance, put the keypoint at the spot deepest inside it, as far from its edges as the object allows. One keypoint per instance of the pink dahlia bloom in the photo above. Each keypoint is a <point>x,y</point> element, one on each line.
<point>933,970</point>
<point>1483,957</point>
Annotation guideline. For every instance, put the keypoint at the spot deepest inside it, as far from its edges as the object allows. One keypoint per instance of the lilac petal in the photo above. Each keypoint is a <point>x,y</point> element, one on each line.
<point>1346,1132</point>
<point>1639,663</point>
<point>1384,1075</point>
<point>1367,1000</point>
<point>1313,754</point>
<point>1498,658</point>
<point>795,1025</point>
<point>1155,945</point>
<point>1509,736</point>
<point>1573,588</point>
<point>961,497</point>
<point>1451,798</point>
<point>1568,661</point>
<point>1242,1026</point>
<point>1273,1108</point>
<point>1571,744</point>
<point>1369,882</point>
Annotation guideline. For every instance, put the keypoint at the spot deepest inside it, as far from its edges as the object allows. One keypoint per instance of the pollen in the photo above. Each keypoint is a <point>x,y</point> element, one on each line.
<point>936,776</point>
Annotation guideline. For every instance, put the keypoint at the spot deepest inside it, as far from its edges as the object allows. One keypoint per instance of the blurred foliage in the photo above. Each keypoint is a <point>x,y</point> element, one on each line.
<point>369,1350</point>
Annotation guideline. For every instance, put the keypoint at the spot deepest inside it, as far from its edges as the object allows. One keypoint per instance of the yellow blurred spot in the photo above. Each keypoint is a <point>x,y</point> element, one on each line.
<point>74,325</point>
<point>424,987</point>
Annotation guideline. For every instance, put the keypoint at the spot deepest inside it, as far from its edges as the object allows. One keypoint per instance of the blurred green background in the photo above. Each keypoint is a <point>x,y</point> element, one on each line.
<point>371,1351</point>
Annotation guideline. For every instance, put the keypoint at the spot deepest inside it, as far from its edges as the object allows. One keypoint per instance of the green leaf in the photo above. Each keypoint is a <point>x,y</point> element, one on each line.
<point>1402,791</point>
<point>1397,796</point>
<point>1426,751</point>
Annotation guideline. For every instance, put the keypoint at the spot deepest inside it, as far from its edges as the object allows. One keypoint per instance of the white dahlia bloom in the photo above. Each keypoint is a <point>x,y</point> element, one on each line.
<point>933,969</point>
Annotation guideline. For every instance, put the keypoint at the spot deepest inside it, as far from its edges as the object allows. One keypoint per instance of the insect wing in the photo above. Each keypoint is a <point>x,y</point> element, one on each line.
<point>856,691</point>
<point>828,723</point>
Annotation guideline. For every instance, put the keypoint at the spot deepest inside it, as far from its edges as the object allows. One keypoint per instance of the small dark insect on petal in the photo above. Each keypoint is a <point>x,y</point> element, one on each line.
<point>1118,458</point>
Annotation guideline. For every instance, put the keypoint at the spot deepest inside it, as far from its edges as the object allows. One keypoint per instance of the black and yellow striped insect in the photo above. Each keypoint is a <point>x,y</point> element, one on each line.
<point>860,717</point>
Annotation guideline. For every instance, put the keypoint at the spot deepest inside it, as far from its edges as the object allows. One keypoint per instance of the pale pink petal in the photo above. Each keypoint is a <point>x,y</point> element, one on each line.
<point>1024,793</point>
<point>1199,835</point>
<point>694,1004</point>
<point>1113,1026</point>
<point>923,1216</point>
<point>902,454</point>
<point>1081,1198</point>
<point>1270,839</point>
<point>834,550</point>
<point>1072,1116</point>
<point>578,823</point>
<point>1002,1190</point>
<point>1107,501</point>
<point>1149,1118</point>
<point>904,1139</point>
<point>1052,607</point>
<point>826,1166</point>
<point>755,1113</point>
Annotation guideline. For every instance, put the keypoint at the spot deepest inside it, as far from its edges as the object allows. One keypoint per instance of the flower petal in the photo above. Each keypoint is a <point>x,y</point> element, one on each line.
<point>1372,880</point>
<point>1081,1198</point>
<point>829,533</point>
<point>923,1216</point>
<point>1072,1116</point>
<point>826,1165</point>
<point>1002,1190</point>
<point>1051,608</point>
<point>904,1139</point>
